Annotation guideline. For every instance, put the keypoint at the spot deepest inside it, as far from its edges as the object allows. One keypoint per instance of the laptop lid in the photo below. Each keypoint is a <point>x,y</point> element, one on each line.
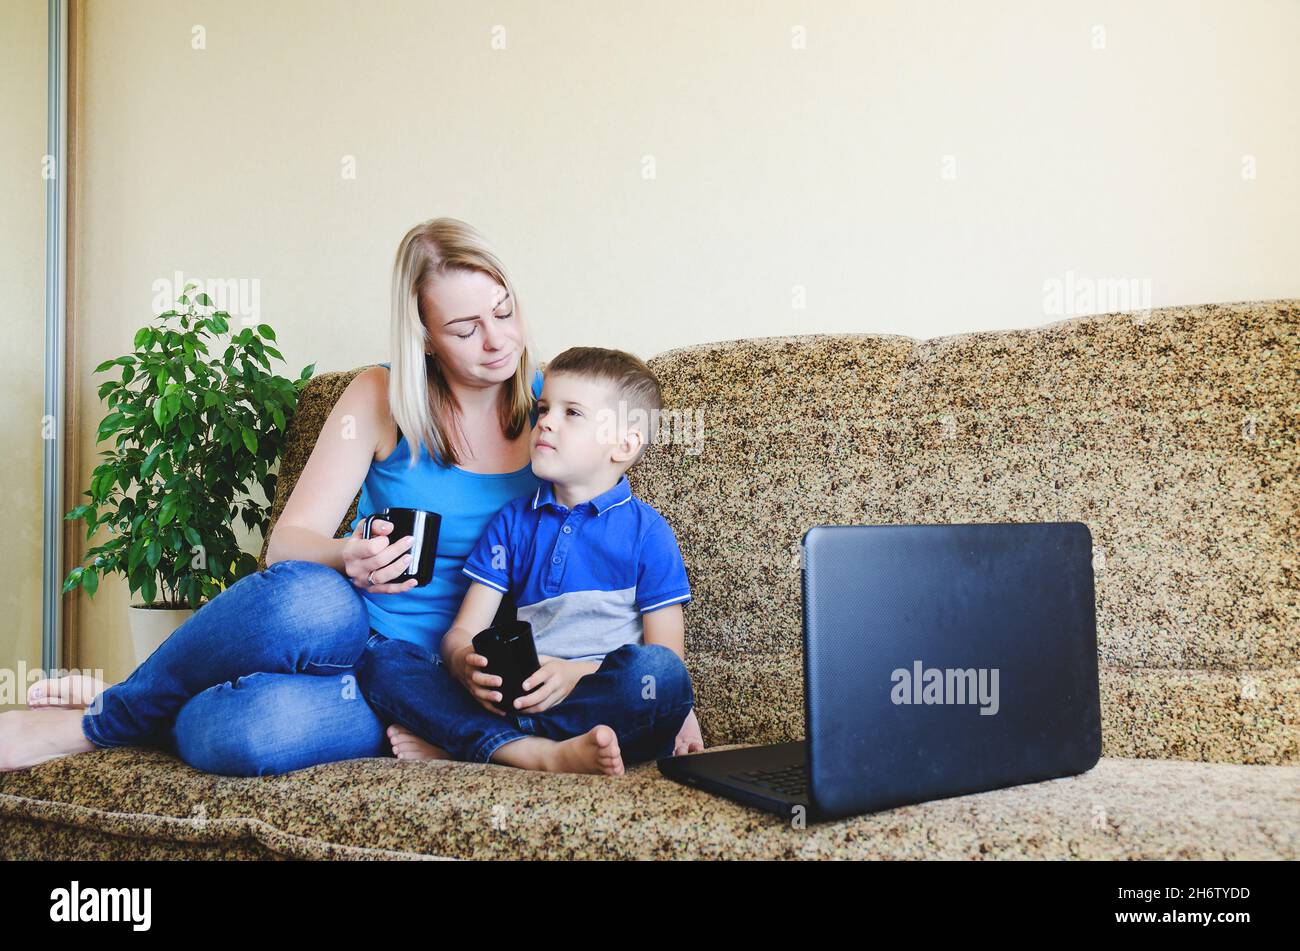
<point>941,660</point>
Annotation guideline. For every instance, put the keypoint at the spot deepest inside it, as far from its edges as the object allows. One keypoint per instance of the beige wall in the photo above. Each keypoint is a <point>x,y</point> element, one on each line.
<point>22,309</point>
<point>776,168</point>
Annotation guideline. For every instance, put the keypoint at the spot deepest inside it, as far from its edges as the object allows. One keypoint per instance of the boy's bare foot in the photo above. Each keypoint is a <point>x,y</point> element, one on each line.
<point>29,737</point>
<point>596,751</point>
<point>74,690</point>
<point>406,745</point>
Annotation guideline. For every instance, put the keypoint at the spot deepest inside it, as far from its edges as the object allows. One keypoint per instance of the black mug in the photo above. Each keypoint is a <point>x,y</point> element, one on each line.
<point>511,655</point>
<point>423,527</point>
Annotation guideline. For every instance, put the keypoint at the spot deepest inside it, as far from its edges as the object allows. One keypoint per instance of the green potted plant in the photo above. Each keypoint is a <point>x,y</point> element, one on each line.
<point>196,418</point>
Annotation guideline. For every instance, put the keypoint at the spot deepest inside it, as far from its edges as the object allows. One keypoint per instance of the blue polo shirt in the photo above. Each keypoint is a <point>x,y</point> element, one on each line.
<point>581,576</point>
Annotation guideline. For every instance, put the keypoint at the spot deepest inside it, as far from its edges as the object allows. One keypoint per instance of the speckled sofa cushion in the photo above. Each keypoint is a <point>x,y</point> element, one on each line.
<point>1172,435</point>
<point>126,803</point>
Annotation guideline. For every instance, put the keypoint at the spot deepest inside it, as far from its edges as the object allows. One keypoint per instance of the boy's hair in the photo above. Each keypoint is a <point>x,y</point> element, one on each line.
<point>631,382</point>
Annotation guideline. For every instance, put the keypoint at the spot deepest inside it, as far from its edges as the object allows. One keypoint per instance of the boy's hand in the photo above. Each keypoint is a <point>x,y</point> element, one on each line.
<point>552,682</point>
<point>467,667</point>
<point>689,739</point>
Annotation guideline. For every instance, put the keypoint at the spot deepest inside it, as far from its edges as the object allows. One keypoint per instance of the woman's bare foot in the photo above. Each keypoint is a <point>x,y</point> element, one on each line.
<point>406,745</point>
<point>74,690</point>
<point>596,751</point>
<point>29,737</point>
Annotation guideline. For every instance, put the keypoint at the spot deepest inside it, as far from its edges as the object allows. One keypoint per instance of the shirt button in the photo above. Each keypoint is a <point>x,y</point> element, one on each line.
<point>555,560</point>
<point>567,529</point>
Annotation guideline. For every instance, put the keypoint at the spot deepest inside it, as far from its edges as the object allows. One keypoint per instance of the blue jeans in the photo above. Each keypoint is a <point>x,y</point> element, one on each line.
<point>641,691</point>
<point>258,681</point>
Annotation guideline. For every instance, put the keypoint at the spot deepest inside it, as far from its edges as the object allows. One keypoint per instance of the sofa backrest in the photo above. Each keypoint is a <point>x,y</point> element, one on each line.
<point>1172,435</point>
<point>314,405</point>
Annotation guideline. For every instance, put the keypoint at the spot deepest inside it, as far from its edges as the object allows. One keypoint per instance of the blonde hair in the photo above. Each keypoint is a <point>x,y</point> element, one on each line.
<point>419,396</point>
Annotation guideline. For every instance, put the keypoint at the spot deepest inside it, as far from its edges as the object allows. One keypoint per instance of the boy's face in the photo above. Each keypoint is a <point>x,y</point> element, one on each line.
<point>572,440</point>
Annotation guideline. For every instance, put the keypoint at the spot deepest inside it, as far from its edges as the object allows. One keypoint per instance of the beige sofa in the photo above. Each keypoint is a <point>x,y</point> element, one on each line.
<point>1175,436</point>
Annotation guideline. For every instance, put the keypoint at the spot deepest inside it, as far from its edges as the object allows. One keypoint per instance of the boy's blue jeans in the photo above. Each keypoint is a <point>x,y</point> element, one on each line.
<point>641,691</point>
<point>258,681</point>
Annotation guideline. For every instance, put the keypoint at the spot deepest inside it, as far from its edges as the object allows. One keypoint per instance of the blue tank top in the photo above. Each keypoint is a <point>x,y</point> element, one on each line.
<point>466,501</point>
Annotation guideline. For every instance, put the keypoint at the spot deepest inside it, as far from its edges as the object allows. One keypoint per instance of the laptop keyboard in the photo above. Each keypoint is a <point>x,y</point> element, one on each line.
<point>788,781</point>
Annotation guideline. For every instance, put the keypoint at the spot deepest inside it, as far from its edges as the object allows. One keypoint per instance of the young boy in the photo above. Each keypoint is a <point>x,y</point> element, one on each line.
<point>597,573</point>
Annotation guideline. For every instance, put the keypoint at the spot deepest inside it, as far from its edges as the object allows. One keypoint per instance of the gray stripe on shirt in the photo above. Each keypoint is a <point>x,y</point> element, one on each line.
<point>584,625</point>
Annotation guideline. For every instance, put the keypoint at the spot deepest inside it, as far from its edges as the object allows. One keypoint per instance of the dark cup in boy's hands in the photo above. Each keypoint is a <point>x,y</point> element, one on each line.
<point>511,656</point>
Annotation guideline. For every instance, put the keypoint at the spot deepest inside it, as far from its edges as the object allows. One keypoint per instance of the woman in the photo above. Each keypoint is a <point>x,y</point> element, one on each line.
<point>258,681</point>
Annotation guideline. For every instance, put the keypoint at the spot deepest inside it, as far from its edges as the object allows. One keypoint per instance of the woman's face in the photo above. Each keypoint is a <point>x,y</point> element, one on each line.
<point>472,327</point>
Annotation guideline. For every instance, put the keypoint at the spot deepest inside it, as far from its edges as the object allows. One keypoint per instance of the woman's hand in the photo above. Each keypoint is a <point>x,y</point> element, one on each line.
<point>371,563</point>
<point>689,739</point>
<point>552,682</point>
<point>467,667</point>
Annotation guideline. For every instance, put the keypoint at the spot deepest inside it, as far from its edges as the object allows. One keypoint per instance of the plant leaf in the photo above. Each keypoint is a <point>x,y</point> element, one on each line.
<point>151,460</point>
<point>73,579</point>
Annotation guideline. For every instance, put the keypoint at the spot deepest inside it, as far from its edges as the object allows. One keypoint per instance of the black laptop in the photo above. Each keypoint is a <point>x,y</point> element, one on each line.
<point>939,660</point>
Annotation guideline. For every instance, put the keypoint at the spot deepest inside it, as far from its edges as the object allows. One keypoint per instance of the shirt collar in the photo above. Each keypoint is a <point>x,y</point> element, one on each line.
<point>620,493</point>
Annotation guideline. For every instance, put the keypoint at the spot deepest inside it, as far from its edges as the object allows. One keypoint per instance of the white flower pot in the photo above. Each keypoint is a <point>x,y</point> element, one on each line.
<point>151,626</point>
